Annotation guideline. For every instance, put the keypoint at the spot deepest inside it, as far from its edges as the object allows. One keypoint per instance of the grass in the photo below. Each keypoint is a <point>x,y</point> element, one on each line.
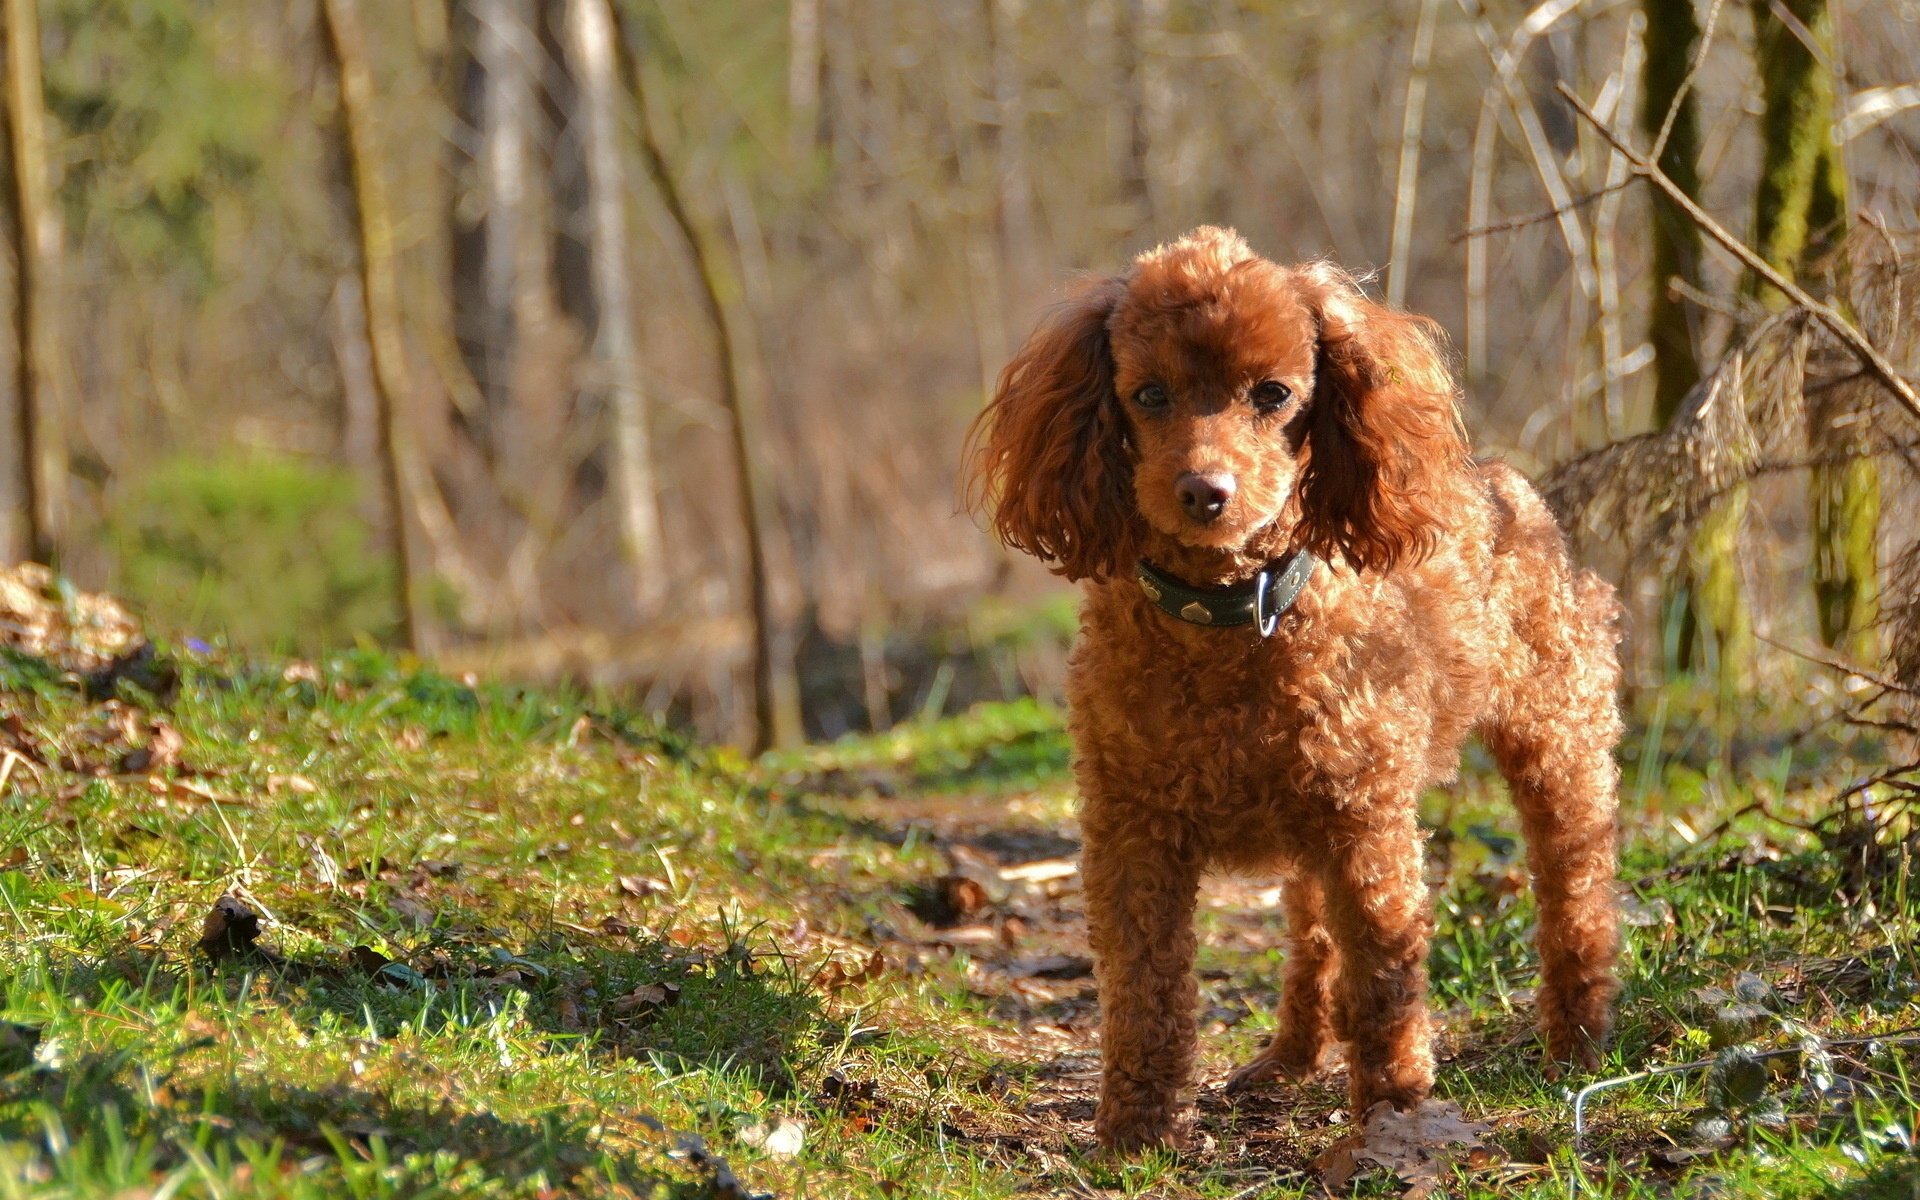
<point>523,943</point>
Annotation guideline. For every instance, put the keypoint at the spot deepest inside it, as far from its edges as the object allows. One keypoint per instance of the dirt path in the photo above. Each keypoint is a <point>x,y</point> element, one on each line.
<point>1011,903</point>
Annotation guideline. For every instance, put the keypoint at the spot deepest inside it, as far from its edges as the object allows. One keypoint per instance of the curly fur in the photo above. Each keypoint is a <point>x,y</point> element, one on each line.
<point>1447,607</point>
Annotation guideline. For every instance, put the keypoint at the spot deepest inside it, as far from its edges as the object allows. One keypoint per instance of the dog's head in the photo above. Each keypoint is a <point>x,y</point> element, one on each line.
<point>1207,396</point>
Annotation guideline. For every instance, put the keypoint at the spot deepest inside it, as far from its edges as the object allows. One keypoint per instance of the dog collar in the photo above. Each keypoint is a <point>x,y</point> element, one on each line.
<point>1258,602</point>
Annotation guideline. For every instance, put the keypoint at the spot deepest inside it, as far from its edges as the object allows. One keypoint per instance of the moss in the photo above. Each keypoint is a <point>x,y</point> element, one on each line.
<point>1724,637</point>
<point>1800,203</point>
<point>1846,559</point>
<point>1800,210</point>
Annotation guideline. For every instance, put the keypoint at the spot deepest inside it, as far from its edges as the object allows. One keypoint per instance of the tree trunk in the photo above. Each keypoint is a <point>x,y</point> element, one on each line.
<point>360,133</point>
<point>1673,34</point>
<point>803,79</point>
<point>1800,204</point>
<point>491,158</point>
<point>774,722</point>
<point>1006,135</point>
<point>1800,212</point>
<point>615,347</point>
<point>42,450</point>
<point>565,136</point>
<point>1145,84</point>
<point>1709,595</point>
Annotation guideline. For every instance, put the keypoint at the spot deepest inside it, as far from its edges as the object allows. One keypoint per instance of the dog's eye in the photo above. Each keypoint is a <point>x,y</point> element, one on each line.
<point>1269,395</point>
<point>1151,396</point>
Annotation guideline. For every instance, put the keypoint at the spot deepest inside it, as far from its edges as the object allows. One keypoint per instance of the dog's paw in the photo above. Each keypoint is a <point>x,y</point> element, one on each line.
<point>1273,1065</point>
<point>1127,1131</point>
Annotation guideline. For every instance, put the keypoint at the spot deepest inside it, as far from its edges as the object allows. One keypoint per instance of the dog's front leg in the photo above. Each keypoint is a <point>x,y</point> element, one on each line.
<point>1142,875</point>
<point>1379,914</point>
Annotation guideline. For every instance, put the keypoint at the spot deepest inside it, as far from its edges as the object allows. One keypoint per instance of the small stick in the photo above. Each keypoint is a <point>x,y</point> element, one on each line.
<point>1875,362</point>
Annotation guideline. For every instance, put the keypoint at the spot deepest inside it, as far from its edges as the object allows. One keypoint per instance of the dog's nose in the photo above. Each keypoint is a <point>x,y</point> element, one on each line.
<point>1203,496</point>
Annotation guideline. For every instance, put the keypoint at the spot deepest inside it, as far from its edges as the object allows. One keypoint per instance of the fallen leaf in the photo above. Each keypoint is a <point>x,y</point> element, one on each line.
<point>967,935</point>
<point>833,976</point>
<point>1053,966</point>
<point>298,784</point>
<point>642,886</point>
<point>416,913</point>
<point>1645,914</point>
<point>949,900</point>
<point>782,1139</point>
<point>161,753</point>
<point>646,998</point>
<point>230,930</point>
<point>1045,871</point>
<point>1417,1146</point>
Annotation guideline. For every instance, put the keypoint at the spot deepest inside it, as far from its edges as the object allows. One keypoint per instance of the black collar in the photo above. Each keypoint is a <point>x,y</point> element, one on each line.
<point>1258,602</point>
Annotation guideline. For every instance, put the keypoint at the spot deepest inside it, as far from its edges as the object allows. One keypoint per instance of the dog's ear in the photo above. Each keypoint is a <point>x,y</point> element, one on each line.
<point>1047,457</point>
<point>1386,450</point>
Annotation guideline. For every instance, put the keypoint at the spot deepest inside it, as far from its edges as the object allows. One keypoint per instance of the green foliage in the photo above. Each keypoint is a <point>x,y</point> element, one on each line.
<point>158,122</point>
<point>266,550</point>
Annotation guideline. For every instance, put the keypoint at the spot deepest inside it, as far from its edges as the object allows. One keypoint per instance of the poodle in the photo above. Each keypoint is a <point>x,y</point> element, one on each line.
<point>1302,595</point>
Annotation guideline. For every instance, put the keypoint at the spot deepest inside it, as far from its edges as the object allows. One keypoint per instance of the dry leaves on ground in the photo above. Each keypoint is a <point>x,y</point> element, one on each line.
<point>1420,1147</point>
<point>77,631</point>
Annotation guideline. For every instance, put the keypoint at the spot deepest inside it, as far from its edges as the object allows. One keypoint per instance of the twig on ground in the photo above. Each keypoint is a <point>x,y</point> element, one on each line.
<point>1897,1037</point>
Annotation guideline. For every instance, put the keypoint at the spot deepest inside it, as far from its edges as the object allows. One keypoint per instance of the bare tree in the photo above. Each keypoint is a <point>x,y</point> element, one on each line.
<point>591,45</point>
<point>360,134</point>
<point>491,149</point>
<point>41,446</point>
<point>1800,211</point>
<point>1670,120</point>
<point>774,722</point>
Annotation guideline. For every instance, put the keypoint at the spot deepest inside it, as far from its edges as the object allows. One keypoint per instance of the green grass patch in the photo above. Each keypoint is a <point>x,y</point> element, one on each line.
<point>520,942</point>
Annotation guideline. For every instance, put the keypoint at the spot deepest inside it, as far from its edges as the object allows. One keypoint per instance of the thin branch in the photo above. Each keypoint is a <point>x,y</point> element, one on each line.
<point>1844,668</point>
<point>1412,118</point>
<point>1537,218</point>
<point>1686,83</point>
<point>1838,325</point>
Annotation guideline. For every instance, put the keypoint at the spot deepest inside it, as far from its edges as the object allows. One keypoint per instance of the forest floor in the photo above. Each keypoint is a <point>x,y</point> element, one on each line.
<point>355,928</point>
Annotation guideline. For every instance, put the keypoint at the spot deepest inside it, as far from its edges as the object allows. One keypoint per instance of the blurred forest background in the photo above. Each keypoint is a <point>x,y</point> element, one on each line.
<point>659,324</point>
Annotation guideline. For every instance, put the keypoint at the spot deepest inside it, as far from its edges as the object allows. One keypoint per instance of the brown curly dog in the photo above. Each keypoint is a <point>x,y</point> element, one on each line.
<point>1209,425</point>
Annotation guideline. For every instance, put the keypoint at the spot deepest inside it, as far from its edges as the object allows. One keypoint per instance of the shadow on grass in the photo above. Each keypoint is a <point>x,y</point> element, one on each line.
<point>739,1013</point>
<point>108,1126</point>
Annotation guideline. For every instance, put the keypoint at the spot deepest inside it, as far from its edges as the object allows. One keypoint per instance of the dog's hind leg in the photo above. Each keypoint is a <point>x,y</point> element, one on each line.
<point>1306,997</point>
<point>1555,743</point>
